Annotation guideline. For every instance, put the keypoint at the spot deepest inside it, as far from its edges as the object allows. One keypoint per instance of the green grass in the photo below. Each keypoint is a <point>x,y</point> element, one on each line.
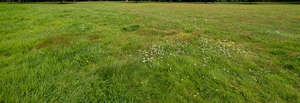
<point>149,52</point>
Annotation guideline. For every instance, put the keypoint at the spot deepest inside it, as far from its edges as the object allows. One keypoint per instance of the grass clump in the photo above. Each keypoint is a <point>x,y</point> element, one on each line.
<point>131,28</point>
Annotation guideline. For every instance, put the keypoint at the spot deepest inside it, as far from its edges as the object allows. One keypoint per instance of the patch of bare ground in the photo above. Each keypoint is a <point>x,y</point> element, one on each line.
<point>196,32</point>
<point>93,37</point>
<point>293,54</point>
<point>159,32</point>
<point>168,32</point>
<point>52,41</point>
<point>200,33</point>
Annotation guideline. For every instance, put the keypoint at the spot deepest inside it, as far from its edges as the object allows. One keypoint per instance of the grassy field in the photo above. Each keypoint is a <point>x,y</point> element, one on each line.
<point>149,52</point>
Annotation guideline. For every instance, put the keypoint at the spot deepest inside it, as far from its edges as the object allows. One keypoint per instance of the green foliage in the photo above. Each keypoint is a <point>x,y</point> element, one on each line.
<point>149,52</point>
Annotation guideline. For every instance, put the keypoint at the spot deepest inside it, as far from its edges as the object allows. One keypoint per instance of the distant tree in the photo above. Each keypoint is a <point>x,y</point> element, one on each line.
<point>21,1</point>
<point>251,1</point>
<point>206,1</point>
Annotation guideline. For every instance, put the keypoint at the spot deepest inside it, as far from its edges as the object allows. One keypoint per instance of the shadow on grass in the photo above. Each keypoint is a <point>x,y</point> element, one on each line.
<point>297,3</point>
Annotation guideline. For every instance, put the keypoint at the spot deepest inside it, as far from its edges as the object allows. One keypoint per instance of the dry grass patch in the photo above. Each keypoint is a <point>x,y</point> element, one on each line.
<point>168,31</point>
<point>93,37</point>
<point>52,41</point>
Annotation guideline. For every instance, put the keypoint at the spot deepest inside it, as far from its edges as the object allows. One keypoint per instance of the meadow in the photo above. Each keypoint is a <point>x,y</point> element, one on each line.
<point>150,52</point>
